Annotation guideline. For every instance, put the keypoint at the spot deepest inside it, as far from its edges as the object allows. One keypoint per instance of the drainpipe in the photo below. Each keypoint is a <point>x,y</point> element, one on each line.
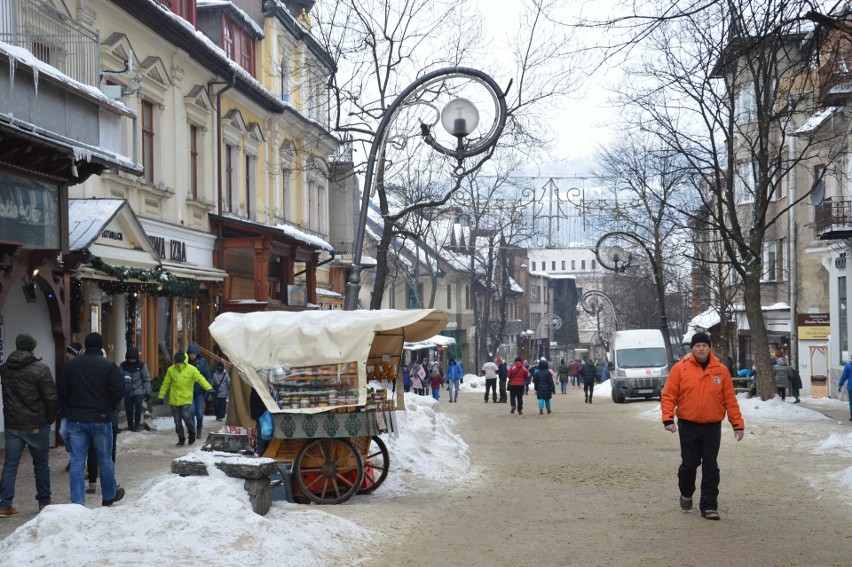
<point>219,196</point>
<point>794,262</point>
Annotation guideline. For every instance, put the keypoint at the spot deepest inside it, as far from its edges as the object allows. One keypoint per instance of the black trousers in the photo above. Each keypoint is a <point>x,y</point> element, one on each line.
<point>502,389</point>
<point>516,397</point>
<point>588,389</point>
<point>699,445</point>
<point>491,384</point>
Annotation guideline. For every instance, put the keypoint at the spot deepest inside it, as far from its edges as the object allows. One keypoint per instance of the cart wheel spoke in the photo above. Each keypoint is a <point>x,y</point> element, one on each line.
<point>339,473</point>
<point>375,466</point>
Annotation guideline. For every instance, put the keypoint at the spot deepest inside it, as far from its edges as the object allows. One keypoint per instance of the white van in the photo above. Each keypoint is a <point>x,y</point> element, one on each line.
<point>639,366</point>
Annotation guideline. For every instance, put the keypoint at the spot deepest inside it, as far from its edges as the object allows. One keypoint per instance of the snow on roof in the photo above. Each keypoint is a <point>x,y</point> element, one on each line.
<point>233,10</point>
<point>815,121</point>
<point>86,218</point>
<point>18,55</point>
<point>304,237</point>
<point>327,293</point>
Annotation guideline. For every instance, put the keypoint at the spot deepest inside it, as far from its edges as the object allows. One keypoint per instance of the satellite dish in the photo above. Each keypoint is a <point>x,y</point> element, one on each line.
<point>817,195</point>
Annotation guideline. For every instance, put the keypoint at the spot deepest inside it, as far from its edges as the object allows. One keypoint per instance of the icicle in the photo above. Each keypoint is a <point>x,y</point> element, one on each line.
<point>35,79</point>
<point>12,64</point>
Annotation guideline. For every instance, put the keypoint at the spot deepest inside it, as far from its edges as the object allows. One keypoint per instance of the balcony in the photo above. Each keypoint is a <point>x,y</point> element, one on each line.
<point>52,37</point>
<point>833,219</point>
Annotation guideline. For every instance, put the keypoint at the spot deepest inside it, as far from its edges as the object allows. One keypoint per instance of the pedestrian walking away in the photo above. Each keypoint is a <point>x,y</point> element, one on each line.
<point>435,382</point>
<point>455,376</point>
<point>564,376</point>
<point>137,387</point>
<point>588,375</point>
<point>30,405</point>
<point>518,377</point>
<point>490,370</point>
<point>784,377</point>
<point>179,383</point>
<point>91,387</point>
<point>197,409</point>
<point>543,384</point>
<point>221,388</point>
<point>406,378</point>
<point>502,377</point>
<point>574,368</point>
<point>699,393</point>
<point>846,378</point>
<point>528,378</point>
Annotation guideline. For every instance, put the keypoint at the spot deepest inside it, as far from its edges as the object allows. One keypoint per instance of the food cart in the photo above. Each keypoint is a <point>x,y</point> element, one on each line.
<point>312,371</point>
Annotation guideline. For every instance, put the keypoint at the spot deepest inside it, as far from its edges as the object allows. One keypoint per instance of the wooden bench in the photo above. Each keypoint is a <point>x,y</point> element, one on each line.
<point>254,470</point>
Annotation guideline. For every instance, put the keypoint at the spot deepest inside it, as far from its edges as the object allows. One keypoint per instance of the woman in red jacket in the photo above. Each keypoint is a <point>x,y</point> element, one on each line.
<point>517,383</point>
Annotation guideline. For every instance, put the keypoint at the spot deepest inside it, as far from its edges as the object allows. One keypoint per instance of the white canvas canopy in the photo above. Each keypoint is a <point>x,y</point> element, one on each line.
<point>271,339</point>
<point>431,342</point>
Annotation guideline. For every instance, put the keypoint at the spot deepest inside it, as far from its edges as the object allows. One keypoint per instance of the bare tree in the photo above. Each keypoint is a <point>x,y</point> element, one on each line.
<point>380,45</point>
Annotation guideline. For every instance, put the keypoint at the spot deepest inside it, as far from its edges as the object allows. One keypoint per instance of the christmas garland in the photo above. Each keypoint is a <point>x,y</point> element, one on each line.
<point>154,281</point>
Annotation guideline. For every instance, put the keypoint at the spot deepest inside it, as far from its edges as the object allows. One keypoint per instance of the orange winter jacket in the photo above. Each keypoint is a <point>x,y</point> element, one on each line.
<point>700,395</point>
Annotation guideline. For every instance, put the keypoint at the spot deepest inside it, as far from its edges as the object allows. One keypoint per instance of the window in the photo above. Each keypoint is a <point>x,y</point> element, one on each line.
<point>746,105</point>
<point>246,59</point>
<point>582,264</point>
<point>285,80</point>
<point>594,266</point>
<point>228,40</point>
<point>148,140</point>
<point>573,264</point>
<point>533,264</point>
<point>818,188</point>
<point>230,204</point>
<point>770,262</point>
<point>784,250</point>
<point>553,266</point>
<point>843,313</point>
<point>249,187</point>
<point>193,162</point>
<point>467,297</point>
<point>563,265</point>
<point>535,293</point>
<point>449,296</point>
<point>285,192</point>
<point>744,184</point>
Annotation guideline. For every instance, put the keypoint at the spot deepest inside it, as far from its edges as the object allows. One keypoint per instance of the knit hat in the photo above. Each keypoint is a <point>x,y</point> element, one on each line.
<point>193,349</point>
<point>180,356</point>
<point>499,360</point>
<point>25,341</point>
<point>94,341</point>
<point>132,352</point>
<point>700,338</point>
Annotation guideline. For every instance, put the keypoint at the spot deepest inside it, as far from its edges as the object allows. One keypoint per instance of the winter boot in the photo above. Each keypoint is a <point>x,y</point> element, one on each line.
<point>540,411</point>
<point>181,442</point>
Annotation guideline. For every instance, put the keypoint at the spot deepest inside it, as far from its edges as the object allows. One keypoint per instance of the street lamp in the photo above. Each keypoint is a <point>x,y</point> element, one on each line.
<point>593,303</point>
<point>460,118</point>
<point>618,260</point>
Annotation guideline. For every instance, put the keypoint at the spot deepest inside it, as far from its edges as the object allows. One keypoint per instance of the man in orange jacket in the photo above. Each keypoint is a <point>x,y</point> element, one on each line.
<point>699,392</point>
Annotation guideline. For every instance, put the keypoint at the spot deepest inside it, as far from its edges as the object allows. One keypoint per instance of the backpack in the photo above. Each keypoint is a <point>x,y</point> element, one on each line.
<point>128,385</point>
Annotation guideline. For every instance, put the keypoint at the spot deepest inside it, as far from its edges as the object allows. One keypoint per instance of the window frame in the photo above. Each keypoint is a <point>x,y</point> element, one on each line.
<point>148,139</point>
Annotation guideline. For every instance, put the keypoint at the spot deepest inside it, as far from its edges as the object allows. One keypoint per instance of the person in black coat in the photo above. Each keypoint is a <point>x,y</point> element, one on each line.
<point>502,376</point>
<point>544,388</point>
<point>91,387</point>
<point>588,375</point>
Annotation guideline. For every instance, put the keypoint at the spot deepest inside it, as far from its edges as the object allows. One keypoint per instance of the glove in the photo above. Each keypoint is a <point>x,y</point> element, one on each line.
<point>462,381</point>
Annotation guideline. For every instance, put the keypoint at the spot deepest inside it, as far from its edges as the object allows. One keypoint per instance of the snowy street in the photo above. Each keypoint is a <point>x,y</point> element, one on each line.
<point>472,484</point>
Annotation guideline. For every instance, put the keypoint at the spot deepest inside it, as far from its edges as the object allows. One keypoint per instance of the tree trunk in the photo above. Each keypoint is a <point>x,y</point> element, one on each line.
<point>759,341</point>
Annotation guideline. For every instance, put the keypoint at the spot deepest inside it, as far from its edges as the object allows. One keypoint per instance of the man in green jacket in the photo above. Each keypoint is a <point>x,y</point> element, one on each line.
<point>179,381</point>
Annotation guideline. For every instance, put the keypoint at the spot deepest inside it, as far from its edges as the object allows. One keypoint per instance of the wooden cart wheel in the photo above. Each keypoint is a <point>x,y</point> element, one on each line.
<point>376,463</point>
<point>328,471</point>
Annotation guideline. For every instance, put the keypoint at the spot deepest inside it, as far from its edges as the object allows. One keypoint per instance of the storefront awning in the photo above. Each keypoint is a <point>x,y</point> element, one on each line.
<point>192,272</point>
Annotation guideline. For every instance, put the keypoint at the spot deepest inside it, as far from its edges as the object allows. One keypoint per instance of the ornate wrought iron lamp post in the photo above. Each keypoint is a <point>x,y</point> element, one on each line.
<point>459,117</point>
<point>617,259</point>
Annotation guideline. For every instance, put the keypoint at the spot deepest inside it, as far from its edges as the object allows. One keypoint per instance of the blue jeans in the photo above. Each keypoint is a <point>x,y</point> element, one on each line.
<point>544,404</point>
<point>564,387</point>
<point>197,411</point>
<point>39,443</point>
<point>436,393</point>
<point>453,389</point>
<point>134,407</point>
<point>83,435</point>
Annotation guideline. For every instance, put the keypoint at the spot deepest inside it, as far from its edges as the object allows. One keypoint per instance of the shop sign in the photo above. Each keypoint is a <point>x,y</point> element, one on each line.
<point>29,212</point>
<point>177,248</point>
<point>813,326</point>
<point>297,295</point>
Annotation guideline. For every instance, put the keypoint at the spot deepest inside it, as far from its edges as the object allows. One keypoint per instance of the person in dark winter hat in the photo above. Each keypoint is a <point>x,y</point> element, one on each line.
<point>178,382</point>
<point>137,387</point>
<point>25,342</point>
<point>30,404</point>
<point>91,387</point>
<point>699,394</point>
<point>197,409</point>
<point>700,338</point>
